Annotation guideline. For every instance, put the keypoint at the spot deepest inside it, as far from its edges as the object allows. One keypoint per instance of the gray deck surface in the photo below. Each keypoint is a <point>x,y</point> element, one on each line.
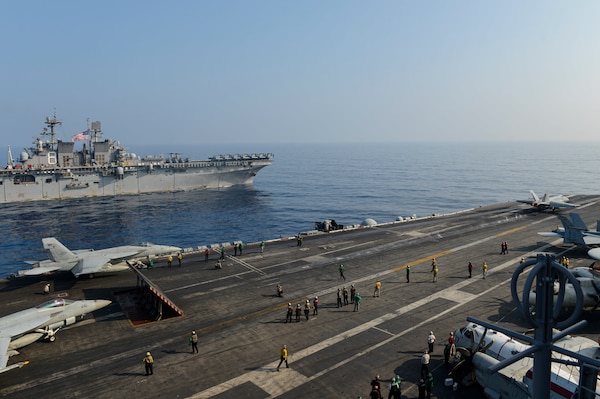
<point>240,320</point>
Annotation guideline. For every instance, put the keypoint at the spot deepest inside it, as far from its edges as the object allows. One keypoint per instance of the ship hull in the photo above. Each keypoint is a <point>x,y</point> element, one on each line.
<point>36,185</point>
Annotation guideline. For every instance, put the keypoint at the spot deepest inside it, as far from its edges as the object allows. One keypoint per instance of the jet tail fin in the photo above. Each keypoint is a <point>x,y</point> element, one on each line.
<point>578,221</point>
<point>546,198</point>
<point>573,235</point>
<point>535,197</point>
<point>57,252</point>
<point>566,222</point>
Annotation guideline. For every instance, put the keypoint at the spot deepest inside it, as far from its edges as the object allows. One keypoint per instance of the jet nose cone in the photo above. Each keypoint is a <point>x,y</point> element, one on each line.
<point>594,253</point>
<point>101,303</point>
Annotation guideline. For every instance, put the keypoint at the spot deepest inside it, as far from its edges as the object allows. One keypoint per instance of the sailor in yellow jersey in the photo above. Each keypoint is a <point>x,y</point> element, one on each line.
<point>377,291</point>
<point>148,362</point>
<point>485,269</point>
<point>284,356</point>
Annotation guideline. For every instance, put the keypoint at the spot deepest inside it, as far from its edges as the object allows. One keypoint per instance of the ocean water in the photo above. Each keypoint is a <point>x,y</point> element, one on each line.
<point>305,184</point>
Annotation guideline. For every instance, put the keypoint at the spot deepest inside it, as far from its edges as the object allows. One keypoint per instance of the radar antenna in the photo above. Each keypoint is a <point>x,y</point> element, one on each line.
<point>95,130</point>
<point>51,123</point>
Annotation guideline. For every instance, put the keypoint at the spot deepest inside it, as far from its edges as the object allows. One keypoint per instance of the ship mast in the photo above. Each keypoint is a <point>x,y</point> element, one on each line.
<point>51,123</point>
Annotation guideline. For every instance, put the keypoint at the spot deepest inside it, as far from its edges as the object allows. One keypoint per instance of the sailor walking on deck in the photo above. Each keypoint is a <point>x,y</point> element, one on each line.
<point>148,363</point>
<point>484,268</point>
<point>283,356</point>
<point>290,313</point>
<point>306,309</point>
<point>341,269</point>
<point>194,342</point>
<point>298,313</point>
<point>377,291</point>
<point>430,341</point>
<point>357,299</point>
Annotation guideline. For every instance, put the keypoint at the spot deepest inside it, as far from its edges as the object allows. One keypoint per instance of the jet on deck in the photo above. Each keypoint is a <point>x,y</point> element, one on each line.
<point>89,261</point>
<point>41,322</point>
<point>552,202</point>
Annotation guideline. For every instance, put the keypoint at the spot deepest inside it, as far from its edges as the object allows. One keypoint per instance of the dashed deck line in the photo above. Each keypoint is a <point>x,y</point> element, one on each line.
<point>263,377</point>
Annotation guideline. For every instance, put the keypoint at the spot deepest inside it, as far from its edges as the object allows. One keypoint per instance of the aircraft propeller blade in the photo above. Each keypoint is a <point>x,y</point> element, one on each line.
<point>485,348</point>
<point>481,340</point>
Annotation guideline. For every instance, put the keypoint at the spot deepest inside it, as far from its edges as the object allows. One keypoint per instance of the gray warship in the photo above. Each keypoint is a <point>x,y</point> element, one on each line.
<point>52,169</point>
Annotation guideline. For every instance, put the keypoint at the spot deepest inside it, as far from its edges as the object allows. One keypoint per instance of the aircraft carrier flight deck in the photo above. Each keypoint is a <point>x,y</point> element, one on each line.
<point>240,320</point>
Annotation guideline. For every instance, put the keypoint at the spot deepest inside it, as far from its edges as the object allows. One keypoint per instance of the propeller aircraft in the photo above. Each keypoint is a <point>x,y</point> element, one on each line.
<point>481,348</point>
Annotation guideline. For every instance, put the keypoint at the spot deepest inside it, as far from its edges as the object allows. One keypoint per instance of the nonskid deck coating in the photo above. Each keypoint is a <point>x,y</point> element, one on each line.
<point>240,318</point>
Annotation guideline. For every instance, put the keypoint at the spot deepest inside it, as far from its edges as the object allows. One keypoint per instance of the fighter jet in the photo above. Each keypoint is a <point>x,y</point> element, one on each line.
<point>552,202</point>
<point>42,322</point>
<point>575,231</point>
<point>89,261</point>
<point>481,348</point>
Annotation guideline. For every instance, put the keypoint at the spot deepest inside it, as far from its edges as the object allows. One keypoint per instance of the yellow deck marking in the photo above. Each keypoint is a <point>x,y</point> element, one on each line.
<point>510,231</point>
<point>423,260</point>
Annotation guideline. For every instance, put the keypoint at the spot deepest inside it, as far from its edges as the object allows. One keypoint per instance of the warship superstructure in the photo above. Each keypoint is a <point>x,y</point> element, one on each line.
<point>52,169</point>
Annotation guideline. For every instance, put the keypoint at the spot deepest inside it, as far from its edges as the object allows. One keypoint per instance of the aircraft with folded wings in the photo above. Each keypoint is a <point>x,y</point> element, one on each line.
<point>89,261</point>
<point>41,322</point>
<point>575,231</point>
<point>589,281</point>
<point>481,348</point>
<point>548,201</point>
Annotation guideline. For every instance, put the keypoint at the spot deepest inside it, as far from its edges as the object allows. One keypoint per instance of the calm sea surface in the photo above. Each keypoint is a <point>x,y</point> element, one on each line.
<point>306,183</point>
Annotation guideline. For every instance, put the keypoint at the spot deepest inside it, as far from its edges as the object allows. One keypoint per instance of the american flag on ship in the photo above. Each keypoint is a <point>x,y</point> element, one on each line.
<point>80,136</point>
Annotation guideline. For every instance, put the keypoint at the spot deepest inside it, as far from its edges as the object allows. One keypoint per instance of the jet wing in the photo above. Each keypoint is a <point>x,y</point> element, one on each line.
<point>89,264</point>
<point>113,254</point>
<point>528,202</point>
<point>4,342</point>
<point>550,234</point>
<point>93,261</point>
<point>591,239</point>
<point>38,270</point>
<point>556,204</point>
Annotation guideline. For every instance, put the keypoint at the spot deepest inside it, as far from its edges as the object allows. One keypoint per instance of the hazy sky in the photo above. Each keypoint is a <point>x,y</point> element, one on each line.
<point>301,71</point>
